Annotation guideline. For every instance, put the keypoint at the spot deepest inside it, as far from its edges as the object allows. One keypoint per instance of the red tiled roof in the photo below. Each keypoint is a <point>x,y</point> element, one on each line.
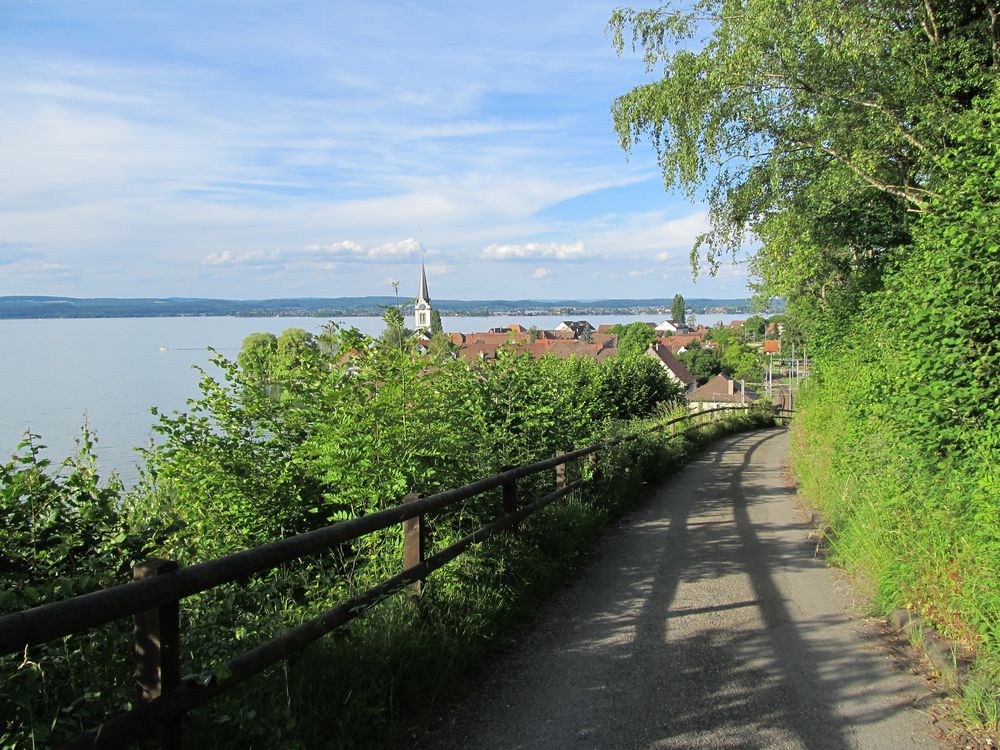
<point>349,355</point>
<point>679,340</point>
<point>495,339</point>
<point>605,339</point>
<point>477,352</point>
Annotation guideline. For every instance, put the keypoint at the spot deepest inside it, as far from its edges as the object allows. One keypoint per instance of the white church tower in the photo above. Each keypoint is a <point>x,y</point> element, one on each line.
<point>422,307</point>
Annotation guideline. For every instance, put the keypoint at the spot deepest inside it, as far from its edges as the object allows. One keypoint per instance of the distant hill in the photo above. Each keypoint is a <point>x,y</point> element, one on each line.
<point>111,307</point>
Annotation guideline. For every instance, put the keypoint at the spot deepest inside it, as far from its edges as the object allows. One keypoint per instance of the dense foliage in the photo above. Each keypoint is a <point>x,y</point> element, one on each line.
<point>299,432</point>
<point>729,354</point>
<point>858,145</point>
<point>634,338</point>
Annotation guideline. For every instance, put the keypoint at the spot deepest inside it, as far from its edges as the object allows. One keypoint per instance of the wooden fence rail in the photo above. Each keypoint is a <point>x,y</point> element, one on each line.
<point>153,597</point>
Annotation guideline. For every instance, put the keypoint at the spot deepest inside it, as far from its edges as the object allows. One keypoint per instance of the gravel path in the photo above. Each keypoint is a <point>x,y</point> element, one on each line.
<point>704,621</point>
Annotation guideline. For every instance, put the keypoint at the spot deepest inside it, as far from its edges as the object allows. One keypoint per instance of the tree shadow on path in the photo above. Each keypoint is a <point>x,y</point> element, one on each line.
<point>703,622</point>
<point>718,656</point>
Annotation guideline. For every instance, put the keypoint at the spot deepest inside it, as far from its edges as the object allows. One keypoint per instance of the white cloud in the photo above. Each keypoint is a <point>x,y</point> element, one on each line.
<point>575,251</point>
<point>321,256</point>
<point>541,273</point>
<point>354,251</point>
<point>640,274</point>
<point>246,258</point>
<point>440,269</point>
<point>730,270</point>
<point>159,165</point>
<point>648,236</point>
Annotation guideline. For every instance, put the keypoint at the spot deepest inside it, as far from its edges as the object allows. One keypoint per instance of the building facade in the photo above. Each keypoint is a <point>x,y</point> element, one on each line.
<point>422,307</point>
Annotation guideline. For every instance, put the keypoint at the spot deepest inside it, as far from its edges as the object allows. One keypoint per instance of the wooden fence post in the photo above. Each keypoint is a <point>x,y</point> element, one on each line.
<point>560,473</point>
<point>157,647</point>
<point>509,496</point>
<point>414,538</point>
<point>595,470</point>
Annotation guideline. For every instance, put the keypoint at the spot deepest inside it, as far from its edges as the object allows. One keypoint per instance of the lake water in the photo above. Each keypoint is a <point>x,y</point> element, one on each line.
<point>56,374</point>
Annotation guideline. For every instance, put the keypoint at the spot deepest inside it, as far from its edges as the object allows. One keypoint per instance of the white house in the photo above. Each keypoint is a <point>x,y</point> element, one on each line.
<point>577,327</point>
<point>672,326</point>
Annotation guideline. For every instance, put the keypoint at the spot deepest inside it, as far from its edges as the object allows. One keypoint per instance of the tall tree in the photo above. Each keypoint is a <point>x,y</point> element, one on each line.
<point>817,128</point>
<point>396,333</point>
<point>678,309</point>
<point>257,355</point>
<point>294,347</point>
<point>436,326</point>
<point>754,327</point>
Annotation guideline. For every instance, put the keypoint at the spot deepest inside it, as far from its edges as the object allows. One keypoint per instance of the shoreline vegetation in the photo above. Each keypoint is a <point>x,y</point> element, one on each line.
<point>300,435</point>
<point>34,307</point>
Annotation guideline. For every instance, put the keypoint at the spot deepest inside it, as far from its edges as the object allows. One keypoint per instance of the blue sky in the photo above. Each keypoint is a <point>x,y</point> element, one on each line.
<point>255,149</point>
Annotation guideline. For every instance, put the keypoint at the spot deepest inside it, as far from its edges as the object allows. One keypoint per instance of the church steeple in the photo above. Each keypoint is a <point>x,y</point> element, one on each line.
<point>422,307</point>
<point>422,295</point>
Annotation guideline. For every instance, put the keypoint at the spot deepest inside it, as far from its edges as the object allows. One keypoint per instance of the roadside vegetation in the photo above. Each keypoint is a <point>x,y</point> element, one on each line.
<point>299,432</point>
<point>859,146</point>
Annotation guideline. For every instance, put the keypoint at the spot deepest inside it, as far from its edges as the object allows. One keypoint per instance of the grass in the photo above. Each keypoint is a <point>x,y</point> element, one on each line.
<point>926,537</point>
<point>979,703</point>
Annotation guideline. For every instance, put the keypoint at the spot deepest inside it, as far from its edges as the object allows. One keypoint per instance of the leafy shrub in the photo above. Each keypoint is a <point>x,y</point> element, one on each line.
<point>897,437</point>
<point>63,536</point>
<point>297,436</point>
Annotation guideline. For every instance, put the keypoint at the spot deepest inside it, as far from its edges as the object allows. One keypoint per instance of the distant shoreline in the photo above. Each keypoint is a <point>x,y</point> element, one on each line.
<point>39,307</point>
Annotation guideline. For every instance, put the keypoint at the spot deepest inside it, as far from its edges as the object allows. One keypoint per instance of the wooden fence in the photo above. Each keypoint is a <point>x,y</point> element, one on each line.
<point>153,597</point>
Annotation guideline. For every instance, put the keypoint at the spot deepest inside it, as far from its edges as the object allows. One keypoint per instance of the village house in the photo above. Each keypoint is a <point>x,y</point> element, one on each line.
<point>720,391</point>
<point>577,328</point>
<point>681,342</point>
<point>674,367</point>
<point>672,326</point>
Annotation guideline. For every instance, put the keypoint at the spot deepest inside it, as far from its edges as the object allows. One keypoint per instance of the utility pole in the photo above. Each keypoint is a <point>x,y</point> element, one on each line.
<point>793,381</point>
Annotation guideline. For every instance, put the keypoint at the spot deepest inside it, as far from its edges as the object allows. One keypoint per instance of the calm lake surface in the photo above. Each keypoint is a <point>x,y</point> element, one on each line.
<point>57,374</point>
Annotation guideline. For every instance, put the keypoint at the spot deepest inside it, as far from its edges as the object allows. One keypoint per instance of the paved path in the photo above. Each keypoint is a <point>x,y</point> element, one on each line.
<point>705,621</point>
